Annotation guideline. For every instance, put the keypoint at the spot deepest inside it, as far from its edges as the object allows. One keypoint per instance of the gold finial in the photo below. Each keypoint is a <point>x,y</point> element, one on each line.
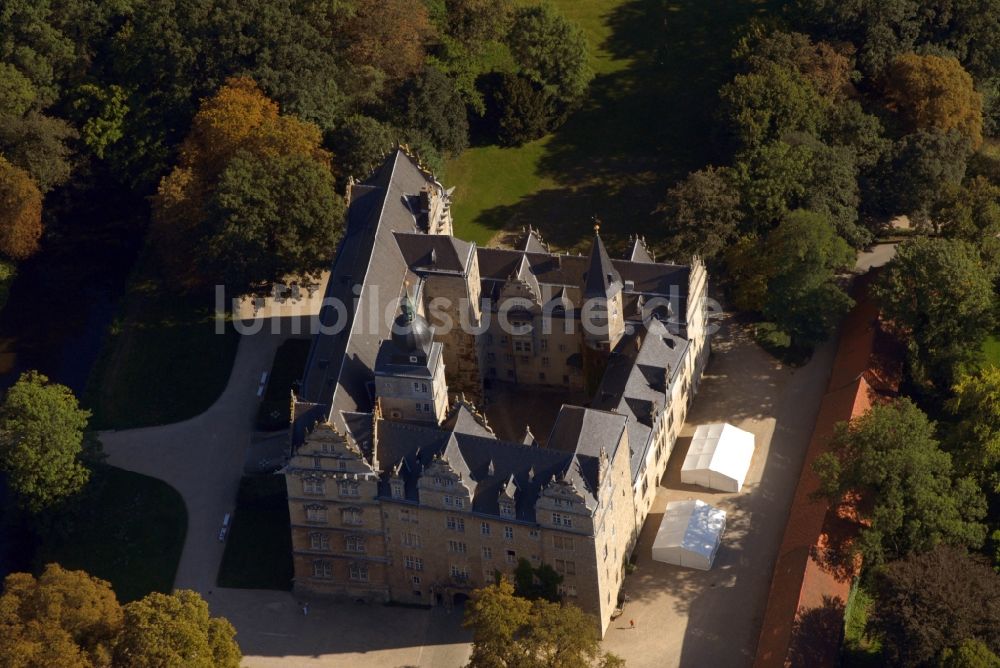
<point>597,225</point>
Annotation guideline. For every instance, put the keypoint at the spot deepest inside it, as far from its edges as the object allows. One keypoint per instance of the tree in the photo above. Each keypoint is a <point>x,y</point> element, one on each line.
<point>931,603</point>
<point>801,259</point>
<point>477,22</point>
<point>41,437</point>
<point>361,143</point>
<point>239,119</point>
<point>63,618</point>
<point>970,653</point>
<point>920,168</point>
<point>828,68</point>
<point>702,213</point>
<point>773,100</point>
<point>939,296</point>
<point>536,583</point>
<point>39,145</point>
<point>20,212</point>
<point>517,110</point>
<point>496,616</point>
<point>389,35</point>
<point>772,178</point>
<point>975,434</point>
<point>935,93</point>
<point>970,212</point>
<point>432,105</point>
<point>31,42</point>
<point>17,94</point>
<point>270,218</point>
<point>910,503</point>
<point>511,631</point>
<point>175,630</point>
<point>832,190</point>
<point>552,52</point>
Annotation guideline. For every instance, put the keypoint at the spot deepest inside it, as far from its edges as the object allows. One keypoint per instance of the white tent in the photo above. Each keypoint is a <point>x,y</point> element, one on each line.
<point>718,458</point>
<point>689,534</point>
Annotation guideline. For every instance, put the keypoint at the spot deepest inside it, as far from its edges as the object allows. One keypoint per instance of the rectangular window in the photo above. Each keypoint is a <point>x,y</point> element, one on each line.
<point>508,533</point>
<point>319,541</point>
<point>419,407</point>
<point>455,523</point>
<point>460,573</point>
<point>315,514</point>
<point>491,357</point>
<point>459,502</point>
<point>562,520</point>
<point>351,516</point>
<point>322,569</point>
<point>317,462</point>
<point>348,488</point>
<point>354,544</point>
<point>447,500</point>
<point>413,563</point>
<point>544,344</point>
<point>567,590</point>
<point>312,486</point>
<point>506,509</point>
<point>566,567</point>
<point>562,542</point>
<point>484,528</point>
<point>341,464</point>
<point>411,540</point>
<point>407,515</point>
<point>511,557</point>
<point>487,552</point>
<point>396,488</point>
<point>359,572</point>
<point>457,547</point>
<point>416,386</point>
<point>545,361</point>
<point>534,535</point>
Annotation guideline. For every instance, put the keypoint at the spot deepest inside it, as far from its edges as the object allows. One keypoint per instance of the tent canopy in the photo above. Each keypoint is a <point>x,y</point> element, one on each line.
<point>719,457</point>
<point>689,534</point>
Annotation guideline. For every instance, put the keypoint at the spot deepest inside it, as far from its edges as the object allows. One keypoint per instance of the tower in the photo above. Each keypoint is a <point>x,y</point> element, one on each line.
<point>602,315</point>
<point>409,370</point>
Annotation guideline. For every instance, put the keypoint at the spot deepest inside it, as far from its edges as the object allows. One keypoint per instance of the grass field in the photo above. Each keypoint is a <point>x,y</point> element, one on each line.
<point>858,650</point>
<point>163,361</point>
<point>130,531</point>
<point>259,548</point>
<point>647,121</point>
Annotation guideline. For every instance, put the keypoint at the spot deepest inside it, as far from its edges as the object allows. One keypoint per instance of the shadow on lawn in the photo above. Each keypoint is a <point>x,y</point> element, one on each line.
<point>641,128</point>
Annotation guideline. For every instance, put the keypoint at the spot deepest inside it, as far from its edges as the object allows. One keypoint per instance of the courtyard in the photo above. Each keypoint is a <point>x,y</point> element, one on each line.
<point>685,617</point>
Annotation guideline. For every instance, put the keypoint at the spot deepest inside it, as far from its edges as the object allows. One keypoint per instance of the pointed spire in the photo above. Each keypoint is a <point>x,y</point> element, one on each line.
<point>602,279</point>
<point>529,438</point>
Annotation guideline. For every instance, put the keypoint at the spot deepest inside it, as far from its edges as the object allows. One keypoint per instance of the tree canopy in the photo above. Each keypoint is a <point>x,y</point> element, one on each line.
<point>41,438</point>
<point>20,212</point>
<point>909,499</point>
<point>62,618</point>
<point>702,213</point>
<point>938,295</point>
<point>511,631</point>
<point>933,606</point>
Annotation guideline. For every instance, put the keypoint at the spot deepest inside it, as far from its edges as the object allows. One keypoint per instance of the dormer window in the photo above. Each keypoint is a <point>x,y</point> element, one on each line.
<point>507,509</point>
<point>396,488</point>
<point>413,359</point>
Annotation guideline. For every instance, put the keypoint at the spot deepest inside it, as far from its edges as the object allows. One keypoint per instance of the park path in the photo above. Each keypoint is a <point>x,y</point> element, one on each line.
<point>202,458</point>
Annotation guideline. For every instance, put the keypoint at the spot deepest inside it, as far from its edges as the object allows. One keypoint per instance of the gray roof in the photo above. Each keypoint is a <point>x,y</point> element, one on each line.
<point>602,279</point>
<point>638,251</point>
<point>638,381</point>
<point>339,370</point>
<point>430,253</point>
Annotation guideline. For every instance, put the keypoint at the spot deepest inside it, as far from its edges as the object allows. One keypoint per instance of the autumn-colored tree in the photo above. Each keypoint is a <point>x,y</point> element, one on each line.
<point>389,35</point>
<point>175,630</point>
<point>238,120</point>
<point>62,618</point>
<point>935,93</point>
<point>20,212</point>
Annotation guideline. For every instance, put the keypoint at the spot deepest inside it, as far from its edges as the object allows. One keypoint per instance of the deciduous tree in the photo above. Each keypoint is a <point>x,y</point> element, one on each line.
<point>389,35</point>
<point>935,93</point>
<point>702,214</point>
<point>20,212</point>
<point>175,630</point>
<point>929,606</point>
<point>41,437</point>
<point>431,105</point>
<point>939,296</point>
<point>910,503</point>
<point>63,618</point>
<point>975,430</point>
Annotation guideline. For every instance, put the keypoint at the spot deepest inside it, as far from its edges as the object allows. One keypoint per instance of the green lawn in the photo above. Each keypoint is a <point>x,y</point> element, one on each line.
<point>163,360</point>
<point>286,370</point>
<point>128,529</point>
<point>859,651</point>
<point>647,121</point>
<point>259,547</point>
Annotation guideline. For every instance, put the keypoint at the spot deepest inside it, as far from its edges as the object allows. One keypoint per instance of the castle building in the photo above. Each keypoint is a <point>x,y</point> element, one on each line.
<point>398,489</point>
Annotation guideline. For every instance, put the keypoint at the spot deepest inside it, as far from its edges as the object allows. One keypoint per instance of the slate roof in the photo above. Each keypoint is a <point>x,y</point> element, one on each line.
<point>434,252</point>
<point>638,251</point>
<point>602,279</point>
<point>638,380</point>
<point>339,369</point>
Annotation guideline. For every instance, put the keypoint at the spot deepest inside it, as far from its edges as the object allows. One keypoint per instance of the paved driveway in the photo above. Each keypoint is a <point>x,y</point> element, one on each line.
<point>686,617</point>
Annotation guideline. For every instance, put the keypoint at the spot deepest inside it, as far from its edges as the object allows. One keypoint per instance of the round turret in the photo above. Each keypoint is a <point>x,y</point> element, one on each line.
<point>410,331</point>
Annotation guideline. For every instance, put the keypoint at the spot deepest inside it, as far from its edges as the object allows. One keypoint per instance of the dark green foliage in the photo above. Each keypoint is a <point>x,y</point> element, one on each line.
<point>517,109</point>
<point>360,143</point>
<point>802,258</point>
<point>939,296</point>
<point>702,213</point>
<point>551,52</point>
<point>536,583</point>
<point>942,605</point>
<point>270,218</point>
<point>890,457</point>
<point>38,144</point>
<point>432,106</point>
<point>919,169</point>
